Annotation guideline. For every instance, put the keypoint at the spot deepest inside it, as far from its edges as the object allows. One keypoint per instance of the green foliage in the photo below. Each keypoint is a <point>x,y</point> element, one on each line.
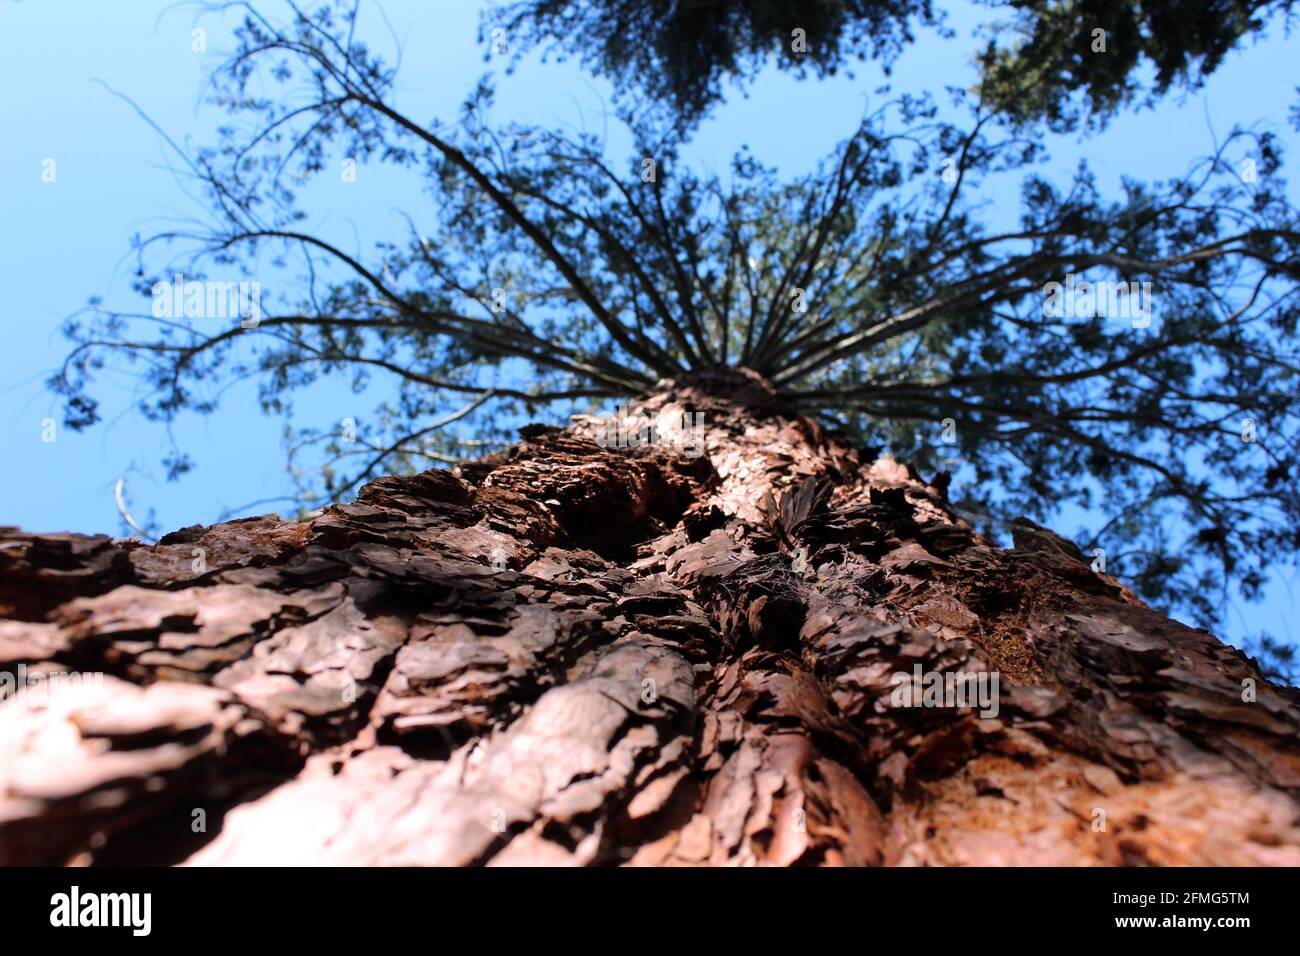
<point>680,53</point>
<point>1041,60</point>
<point>1057,69</point>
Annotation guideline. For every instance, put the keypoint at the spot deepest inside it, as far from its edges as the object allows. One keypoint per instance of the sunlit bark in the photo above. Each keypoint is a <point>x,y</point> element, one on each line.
<point>677,653</point>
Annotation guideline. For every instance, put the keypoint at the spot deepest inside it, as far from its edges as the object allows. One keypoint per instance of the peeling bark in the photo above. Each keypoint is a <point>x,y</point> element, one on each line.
<point>572,654</point>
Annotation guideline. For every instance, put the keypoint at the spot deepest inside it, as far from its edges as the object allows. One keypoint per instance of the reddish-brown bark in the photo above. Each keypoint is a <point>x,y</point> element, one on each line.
<point>575,654</point>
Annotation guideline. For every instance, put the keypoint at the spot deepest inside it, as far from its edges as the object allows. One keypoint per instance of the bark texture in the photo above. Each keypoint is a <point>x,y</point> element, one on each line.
<point>570,654</point>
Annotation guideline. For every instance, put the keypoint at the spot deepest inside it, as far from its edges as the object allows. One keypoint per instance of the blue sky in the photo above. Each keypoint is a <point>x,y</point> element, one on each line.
<point>64,241</point>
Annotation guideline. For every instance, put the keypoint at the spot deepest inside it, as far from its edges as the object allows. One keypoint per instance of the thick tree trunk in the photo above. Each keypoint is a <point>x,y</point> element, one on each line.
<point>577,654</point>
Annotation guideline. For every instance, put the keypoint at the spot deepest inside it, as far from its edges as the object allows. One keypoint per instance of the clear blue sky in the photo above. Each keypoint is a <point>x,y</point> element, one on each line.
<point>64,241</point>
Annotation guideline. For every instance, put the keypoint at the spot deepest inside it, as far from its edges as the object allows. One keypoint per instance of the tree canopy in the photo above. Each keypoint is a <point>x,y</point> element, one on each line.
<point>1131,357</point>
<point>1041,60</point>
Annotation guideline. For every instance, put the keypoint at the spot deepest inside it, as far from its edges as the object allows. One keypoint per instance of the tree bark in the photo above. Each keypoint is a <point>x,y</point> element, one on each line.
<point>576,654</point>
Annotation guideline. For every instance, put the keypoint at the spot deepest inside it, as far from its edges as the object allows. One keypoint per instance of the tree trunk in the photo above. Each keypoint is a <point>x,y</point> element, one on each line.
<point>571,653</point>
